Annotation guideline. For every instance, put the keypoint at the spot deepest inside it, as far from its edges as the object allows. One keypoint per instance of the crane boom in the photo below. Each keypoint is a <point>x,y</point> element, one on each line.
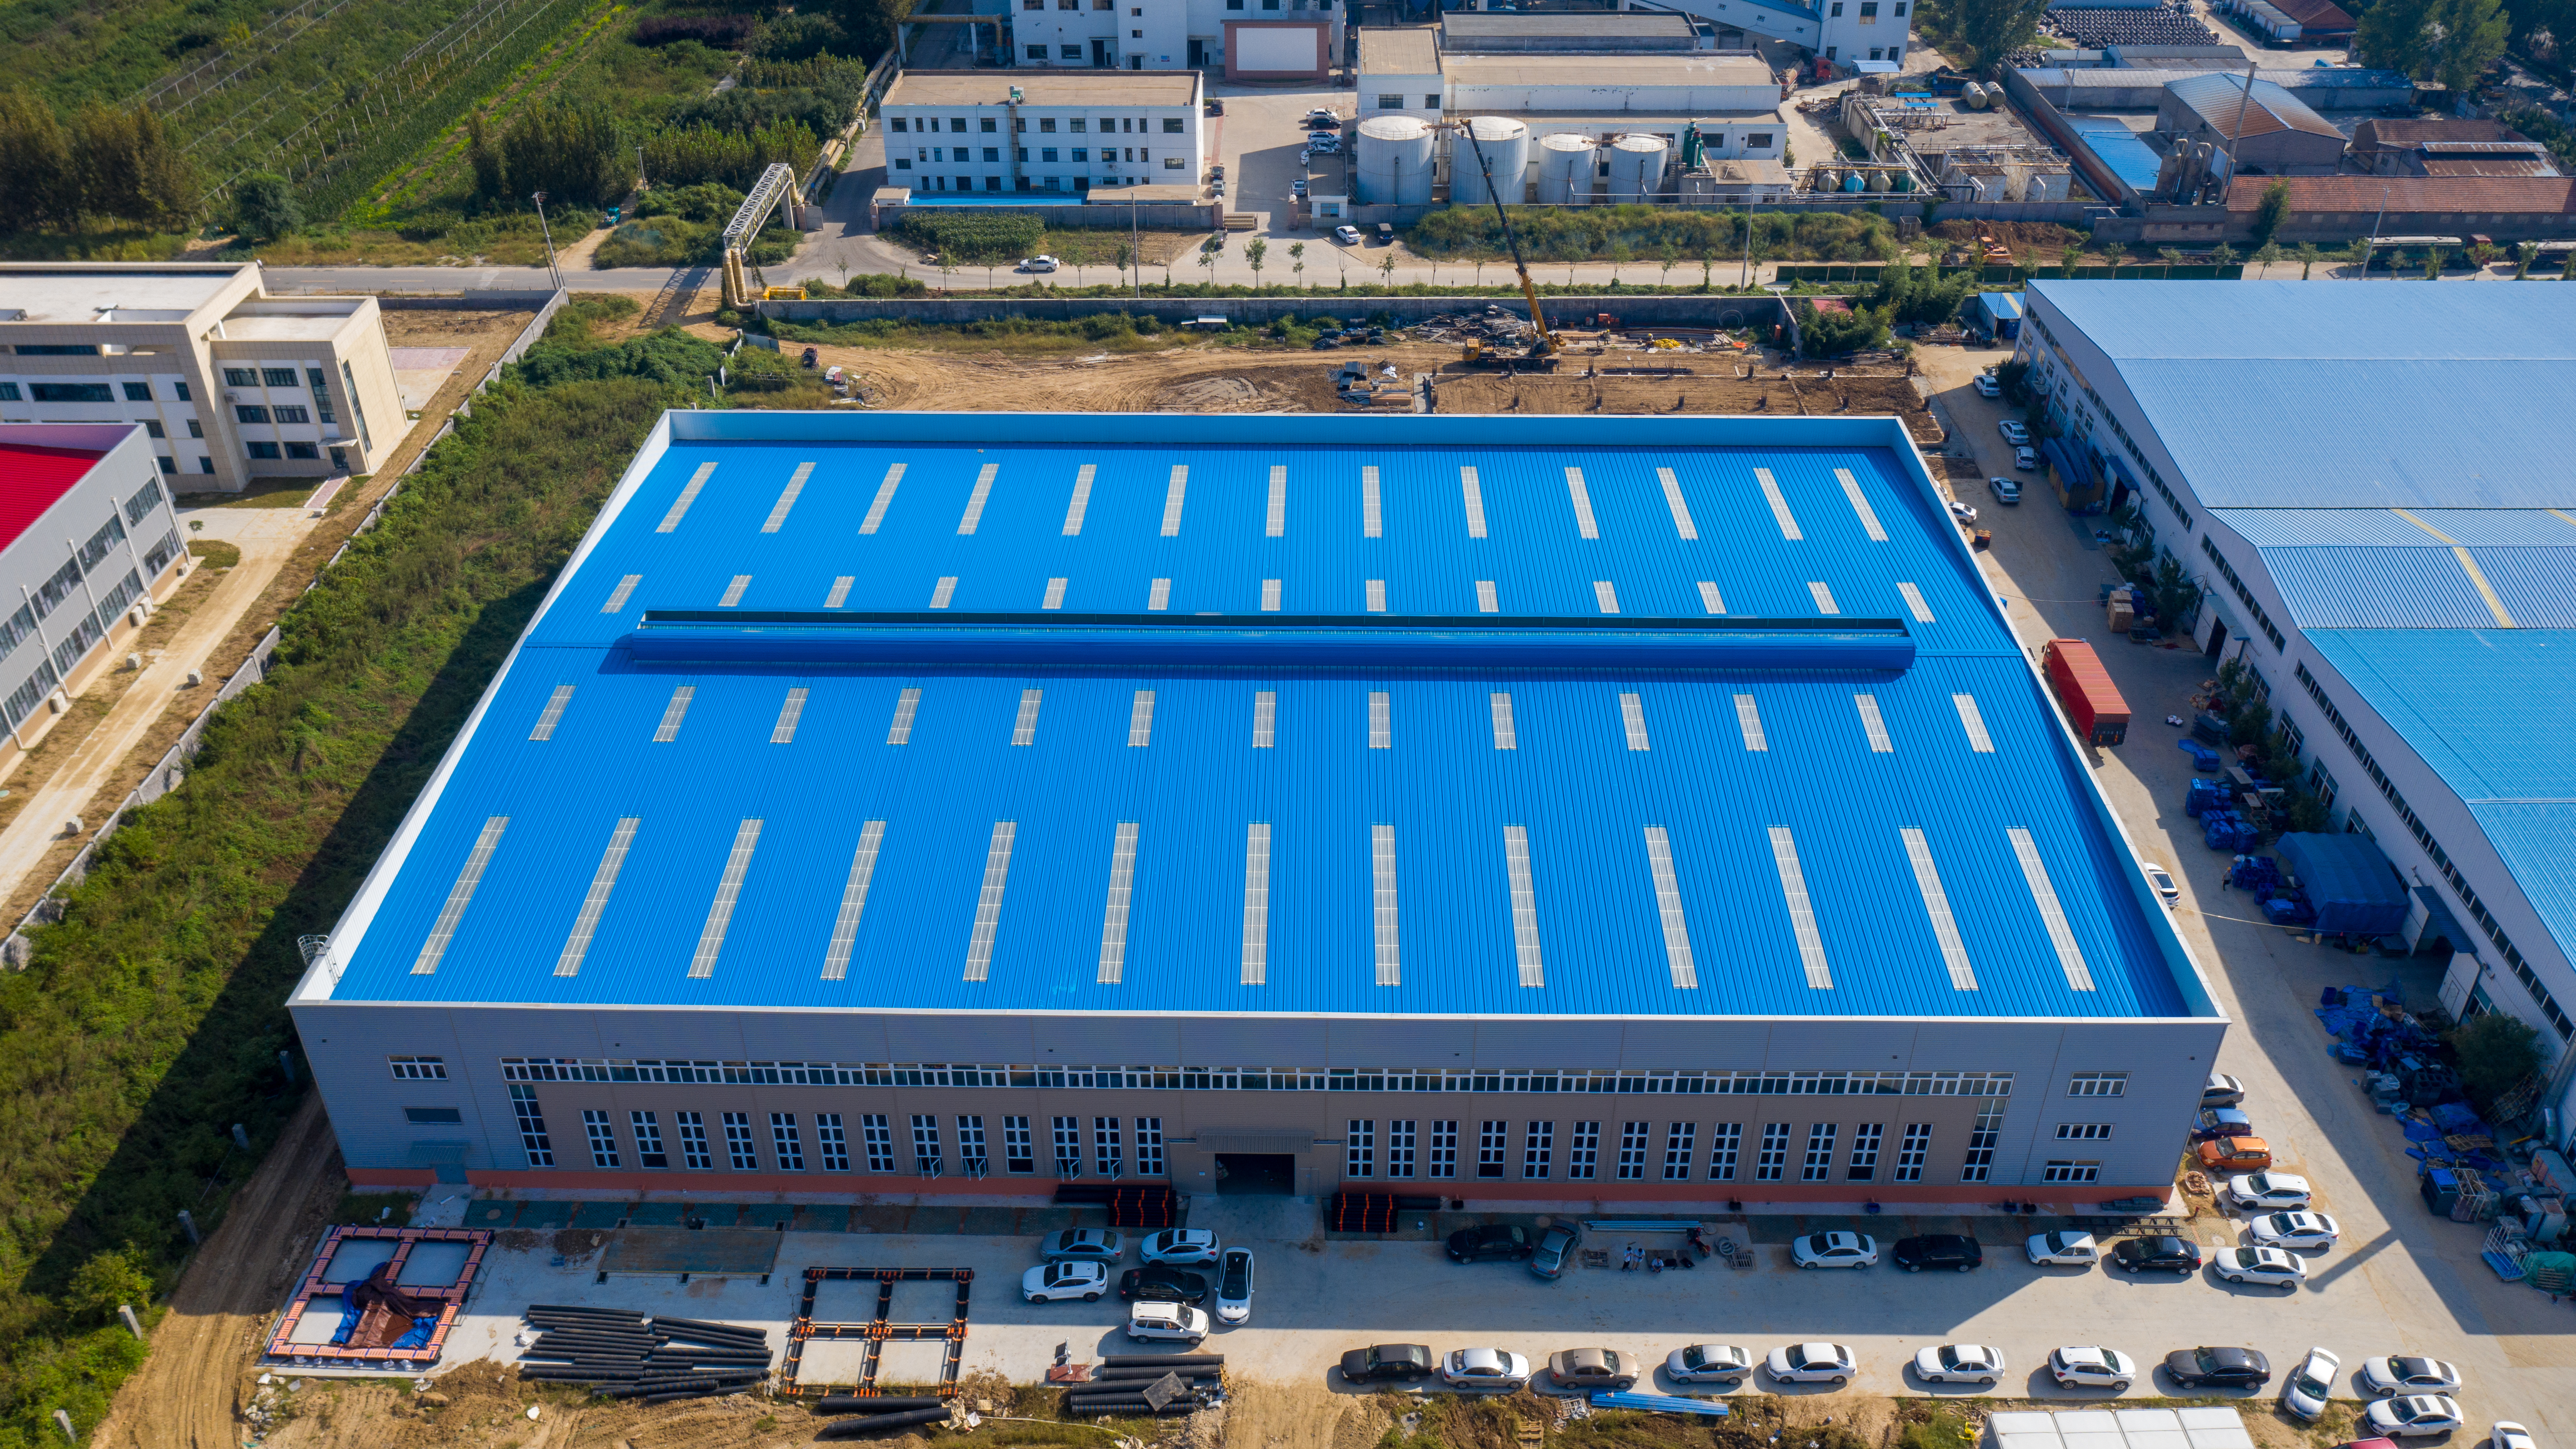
<point>1544,343</point>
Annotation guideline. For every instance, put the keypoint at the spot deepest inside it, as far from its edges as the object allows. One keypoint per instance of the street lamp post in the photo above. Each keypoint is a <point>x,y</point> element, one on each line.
<point>552,270</point>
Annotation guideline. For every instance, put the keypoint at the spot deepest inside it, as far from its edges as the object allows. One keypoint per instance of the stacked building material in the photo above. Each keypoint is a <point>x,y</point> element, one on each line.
<point>625,1356</point>
<point>1120,1385</point>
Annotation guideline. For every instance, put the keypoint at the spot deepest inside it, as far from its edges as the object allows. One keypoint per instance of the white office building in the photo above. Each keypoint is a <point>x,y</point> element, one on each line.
<point>998,132</point>
<point>1246,39</point>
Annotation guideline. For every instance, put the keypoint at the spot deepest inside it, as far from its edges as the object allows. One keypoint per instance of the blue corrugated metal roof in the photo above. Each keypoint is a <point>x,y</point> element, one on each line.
<point>2490,711</point>
<point>2369,568</point>
<point>1574,783</point>
<point>2119,148</point>
<point>2253,388</point>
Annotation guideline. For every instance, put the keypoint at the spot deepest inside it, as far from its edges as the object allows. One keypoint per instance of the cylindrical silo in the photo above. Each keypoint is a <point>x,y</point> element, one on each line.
<point>1637,167</point>
<point>1395,161</point>
<point>1505,144</point>
<point>1565,170</point>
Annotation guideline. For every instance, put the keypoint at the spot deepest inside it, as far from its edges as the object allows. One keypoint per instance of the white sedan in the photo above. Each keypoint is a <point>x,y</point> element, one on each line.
<point>1348,236</point>
<point>1834,1250</point>
<point>1964,513</point>
<point>1184,1247</point>
<point>1040,264</point>
<point>2014,433</point>
<point>2296,1230</point>
<point>2268,1190</point>
<point>1811,1363</point>
<point>1056,1282</point>
<point>2413,1417</point>
<point>1960,1363</point>
<point>2268,1266</point>
<point>2510,1435</point>
<point>2063,1250</point>
<point>2086,1367</point>
<point>2409,1376</point>
<point>1484,1368</point>
<point>2305,1392</point>
<point>1708,1363</point>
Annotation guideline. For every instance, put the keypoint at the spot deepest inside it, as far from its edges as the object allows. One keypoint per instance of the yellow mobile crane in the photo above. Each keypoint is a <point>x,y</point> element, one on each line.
<point>1543,348</point>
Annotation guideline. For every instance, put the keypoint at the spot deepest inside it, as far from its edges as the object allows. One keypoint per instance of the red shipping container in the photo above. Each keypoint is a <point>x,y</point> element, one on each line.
<point>2085,688</point>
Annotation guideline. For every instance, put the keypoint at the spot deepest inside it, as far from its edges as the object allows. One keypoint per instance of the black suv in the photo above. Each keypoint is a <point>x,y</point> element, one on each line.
<point>1162,1283</point>
<point>2178,1255</point>
<point>1388,1363</point>
<point>1494,1241</point>
<point>1938,1250</point>
<point>2235,1368</point>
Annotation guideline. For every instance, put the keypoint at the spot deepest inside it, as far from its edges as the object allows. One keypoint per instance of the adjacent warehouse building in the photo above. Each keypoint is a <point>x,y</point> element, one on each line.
<point>1529,809</point>
<point>2396,577</point>
<point>229,383</point>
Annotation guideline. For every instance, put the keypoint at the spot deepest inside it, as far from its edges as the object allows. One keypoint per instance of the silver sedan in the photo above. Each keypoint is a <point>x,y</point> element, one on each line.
<point>1708,1363</point>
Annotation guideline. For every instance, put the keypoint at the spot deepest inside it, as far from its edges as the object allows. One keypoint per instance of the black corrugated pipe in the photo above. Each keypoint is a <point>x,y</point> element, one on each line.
<point>862,1404</point>
<point>853,1428</point>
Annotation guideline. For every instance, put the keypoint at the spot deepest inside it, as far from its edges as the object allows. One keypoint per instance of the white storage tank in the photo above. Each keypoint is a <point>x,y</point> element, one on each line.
<point>1506,146</point>
<point>1637,168</point>
<point>1395,162</point>
<point>1565,163</point>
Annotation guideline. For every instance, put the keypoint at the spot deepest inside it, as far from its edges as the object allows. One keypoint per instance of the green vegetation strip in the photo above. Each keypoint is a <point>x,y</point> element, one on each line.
<point>151,1018</point>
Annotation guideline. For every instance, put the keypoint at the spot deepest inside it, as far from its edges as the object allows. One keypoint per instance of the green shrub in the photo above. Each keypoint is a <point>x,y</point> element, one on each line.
<point>973,236</point>
<point>1561,234</point>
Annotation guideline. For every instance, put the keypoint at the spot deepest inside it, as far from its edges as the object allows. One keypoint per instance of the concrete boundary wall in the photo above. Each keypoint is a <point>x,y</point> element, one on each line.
<point>1632,311</point>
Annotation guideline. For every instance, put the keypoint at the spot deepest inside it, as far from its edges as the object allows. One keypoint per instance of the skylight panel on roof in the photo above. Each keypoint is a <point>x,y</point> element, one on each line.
<point>1372,523</point>
<point>1024,730</point>
<point>746,837</point>
<point>1860,505</point>
<point>603,879</point>
<point>1802,912</point>
<point>1270,596</point>
<point>1749,720</point>
<point>1574,489</point>
<point>974,515</point>
<point>904,705</point>
<point>1604,597</point>
<point>1504,738</point>
<point>674,712</point>
<point>1486,602</point>
<point>1632,717</point>
<point>1172,500</point>
<point>1113,920</point>
<point>1914,604</point>
<point>1779,504</point>
<point>1277,524</point>
<point>2070,956</point>
<point>617,596</point>
<point>1081,503</point>
<point>1974,723</point>
<point>1475,496</point>
<point>1673,500</point>
<point>1710,599</point>
<point>988,901</point>
<point>688,495</point>
<point>942,591</point>
<point>733,591</point>
<point>1160,595</point>
<point>1265,719</point>
<point>854,902</point>
<point>1256,905</point>
<point>461,894</point>
<point>1516,858</point>
<point>1824,597</point>
<point>1936,908</point>
<point>884,499</point>
<point>553,711</point>
<point>1140,720</point>
<point>840,593</point>
<point>1380,730</point>
<point>1668,906</point>
<point>1377,596</point>
<point>1390,966</point>
<point>789,712</point>
<point>787,498</point>
<point>1873,724</point>
<point>1054,594</point>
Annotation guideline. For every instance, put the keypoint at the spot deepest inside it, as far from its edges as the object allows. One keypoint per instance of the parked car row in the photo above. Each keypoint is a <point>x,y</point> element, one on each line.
<point>1075,1266</point>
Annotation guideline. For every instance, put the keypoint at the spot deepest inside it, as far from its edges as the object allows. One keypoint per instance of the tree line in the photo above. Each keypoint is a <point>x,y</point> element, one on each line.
<point>106,166</point>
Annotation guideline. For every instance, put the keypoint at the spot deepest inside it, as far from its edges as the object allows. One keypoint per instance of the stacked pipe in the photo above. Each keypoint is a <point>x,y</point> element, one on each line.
<point>853,1428</point>
<point>622,1355</point>
<point>1118,1386</point>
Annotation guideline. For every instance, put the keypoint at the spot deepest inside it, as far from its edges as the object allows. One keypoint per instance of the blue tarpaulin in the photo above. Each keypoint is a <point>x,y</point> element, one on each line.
<point>2350,882</point>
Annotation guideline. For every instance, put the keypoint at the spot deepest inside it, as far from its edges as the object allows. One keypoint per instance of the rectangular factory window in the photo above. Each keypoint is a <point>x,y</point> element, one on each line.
<point>2098,1084</point>
<point>1981,1142</point>
<point>2060,1171</point>
<point>434,1116</point>
<point>1679,1140</point>
<point>1632,1151</point>
<point>1149,1148</point>
<point>834,1141</point>
<point>603,1137</point>
<point>1399,1149</point>
<point>1774,1158</point>
<point>418,1069</point>
<point>970,1147</point>
<point>1583,1152</point>
<point>1359,1148</point>
<point>1864,1154</point>
<point>693,1141</point>
<point>1105,1147</point>
<point>1018,1155</point>
<point>738,1143</point>
<point>925,1144</point>
<point>1909,1158</point>
<point>1820,1152</point>
<point>1444,1149</point>
<point>1068,1147</point>
<point>532,1126</point>
<point>648,1140</point>
<point>1724,1141</point>
<point>1538,1150</point>
<point>877,1134</point>
<point>2083,1131</point>
<point>786,1142</point>
<point>1492,1140</point>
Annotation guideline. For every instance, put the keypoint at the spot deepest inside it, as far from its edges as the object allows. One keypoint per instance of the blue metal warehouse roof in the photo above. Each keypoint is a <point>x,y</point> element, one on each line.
<point>2417,568</point>
<point>1852,800</point>
<point>2287,395</point>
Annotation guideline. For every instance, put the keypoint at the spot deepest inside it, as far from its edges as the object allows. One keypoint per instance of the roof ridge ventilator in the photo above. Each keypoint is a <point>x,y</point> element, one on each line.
<point>1065,640</point>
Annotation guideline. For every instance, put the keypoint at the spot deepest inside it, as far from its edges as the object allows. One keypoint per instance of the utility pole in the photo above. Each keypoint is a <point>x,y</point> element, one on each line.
<point>539,198</point>
<point>2372,250</point>
<point>2238,139</point>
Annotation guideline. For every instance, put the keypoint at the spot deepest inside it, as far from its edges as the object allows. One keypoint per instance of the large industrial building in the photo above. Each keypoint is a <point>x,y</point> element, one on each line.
<point>2397,577</point>
<point>1538,809</point>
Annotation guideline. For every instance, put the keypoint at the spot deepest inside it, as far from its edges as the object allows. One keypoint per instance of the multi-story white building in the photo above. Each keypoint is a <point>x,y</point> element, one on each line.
<point>997,132</point>
<point>1846,32</point>
<point>1241,36</point>
<point>229,383</point>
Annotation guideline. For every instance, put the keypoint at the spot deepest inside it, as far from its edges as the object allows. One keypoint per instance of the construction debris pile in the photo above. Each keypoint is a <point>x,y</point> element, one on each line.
<point>625,1356</point>
<point>1494,323</point>
<point>1163,1385</point>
